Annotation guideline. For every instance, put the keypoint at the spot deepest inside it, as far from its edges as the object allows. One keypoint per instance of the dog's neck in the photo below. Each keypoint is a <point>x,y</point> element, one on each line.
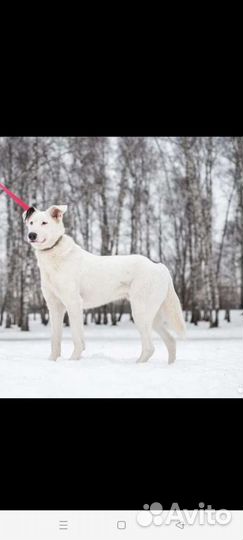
<point>55,244</point>
<point>60,249</point>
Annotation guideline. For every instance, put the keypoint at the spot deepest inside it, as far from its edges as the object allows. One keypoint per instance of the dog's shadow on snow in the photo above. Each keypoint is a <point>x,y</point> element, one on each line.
<point>99,360</point>
<point>96,360</point>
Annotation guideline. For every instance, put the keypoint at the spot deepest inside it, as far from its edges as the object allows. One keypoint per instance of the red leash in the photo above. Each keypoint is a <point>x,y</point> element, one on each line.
<point>14,197</point>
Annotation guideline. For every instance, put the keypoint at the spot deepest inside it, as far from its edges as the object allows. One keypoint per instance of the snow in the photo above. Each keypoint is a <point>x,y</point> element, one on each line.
<point>208,365</point>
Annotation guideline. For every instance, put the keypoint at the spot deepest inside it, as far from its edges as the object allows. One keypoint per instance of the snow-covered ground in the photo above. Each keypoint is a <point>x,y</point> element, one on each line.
<point>209,364</point>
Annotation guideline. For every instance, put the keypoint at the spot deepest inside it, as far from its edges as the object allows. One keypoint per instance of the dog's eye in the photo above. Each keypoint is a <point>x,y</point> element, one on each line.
<point>31,222</point>
<point>44,223</point>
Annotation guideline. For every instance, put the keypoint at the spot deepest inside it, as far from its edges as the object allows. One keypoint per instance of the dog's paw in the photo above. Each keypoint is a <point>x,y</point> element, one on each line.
<point>53,357</point>
<point>141,361</point>
<point>75,356</point>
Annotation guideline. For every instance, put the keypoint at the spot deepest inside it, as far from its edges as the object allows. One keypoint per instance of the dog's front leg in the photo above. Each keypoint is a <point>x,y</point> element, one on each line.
<point>56,311</point>
<point>56,319</point>
<point>75,313</point>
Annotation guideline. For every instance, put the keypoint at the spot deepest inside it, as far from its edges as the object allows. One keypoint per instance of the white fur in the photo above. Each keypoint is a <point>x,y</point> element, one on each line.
<point>73,279</point>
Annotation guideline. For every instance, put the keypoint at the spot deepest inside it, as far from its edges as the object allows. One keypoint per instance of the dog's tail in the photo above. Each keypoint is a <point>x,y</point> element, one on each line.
<point>172,310</point>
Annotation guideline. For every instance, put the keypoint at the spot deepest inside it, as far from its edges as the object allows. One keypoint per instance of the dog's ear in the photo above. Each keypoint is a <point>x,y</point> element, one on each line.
<point>26,215</point>
<point>57,211</point>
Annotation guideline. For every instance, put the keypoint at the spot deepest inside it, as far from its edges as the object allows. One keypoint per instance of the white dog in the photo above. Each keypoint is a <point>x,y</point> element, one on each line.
<point>73,279</point>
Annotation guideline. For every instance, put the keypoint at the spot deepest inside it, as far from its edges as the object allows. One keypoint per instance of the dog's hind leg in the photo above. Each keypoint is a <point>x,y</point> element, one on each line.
<point>144,326</point>
<point>168,339</point>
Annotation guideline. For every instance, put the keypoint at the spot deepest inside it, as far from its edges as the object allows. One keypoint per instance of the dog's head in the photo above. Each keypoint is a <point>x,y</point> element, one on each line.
<point>44,228</point>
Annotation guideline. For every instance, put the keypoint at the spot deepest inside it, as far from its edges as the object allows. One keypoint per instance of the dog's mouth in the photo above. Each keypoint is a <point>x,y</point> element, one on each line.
<point>37,241</point>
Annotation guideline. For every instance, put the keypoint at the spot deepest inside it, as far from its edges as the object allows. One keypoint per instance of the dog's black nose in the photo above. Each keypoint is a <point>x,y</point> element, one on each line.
<point>32,236</point>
